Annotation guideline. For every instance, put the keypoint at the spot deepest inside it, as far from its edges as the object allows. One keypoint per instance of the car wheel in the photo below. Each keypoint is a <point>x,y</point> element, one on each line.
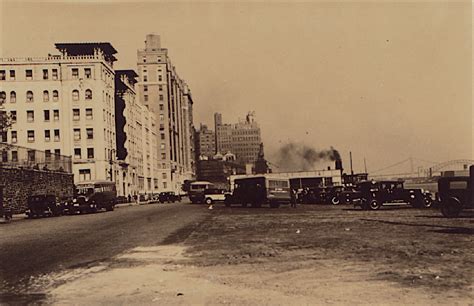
<point>451,208</point>
<point>374,204</point>
<point>335,201</point>
<point>208,201</point>
<point>427,202</point>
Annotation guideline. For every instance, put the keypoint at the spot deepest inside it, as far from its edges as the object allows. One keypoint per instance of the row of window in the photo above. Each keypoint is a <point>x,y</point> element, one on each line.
<point>78,153</point>
<point>54,74</point>
<point>46,97</point>
<point>160,87</point>
<point>47,135</point>
<point>160,97</point>
<point>31,155</point>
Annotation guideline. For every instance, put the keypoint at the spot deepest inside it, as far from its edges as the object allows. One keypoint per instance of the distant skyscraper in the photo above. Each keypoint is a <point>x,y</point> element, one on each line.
<point>242,139</point>
<point>206,142</point>
<point>168,96</point>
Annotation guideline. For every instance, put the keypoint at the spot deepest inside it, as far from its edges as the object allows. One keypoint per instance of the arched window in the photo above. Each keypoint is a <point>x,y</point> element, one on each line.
<point>88,94</point>
<point>29,96</point>
<point>12,97</point>
<point>75,95</point>
<point>3,97</point>
<point>55,95</point>
<point>45,96</point>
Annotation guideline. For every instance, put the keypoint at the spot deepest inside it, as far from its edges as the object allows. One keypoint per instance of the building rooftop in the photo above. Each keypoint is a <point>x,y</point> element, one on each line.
<point>87,48</point>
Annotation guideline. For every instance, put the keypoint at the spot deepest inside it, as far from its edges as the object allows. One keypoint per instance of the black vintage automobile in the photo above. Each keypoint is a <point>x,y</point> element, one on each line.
<point>43,205</point>
<point>375,194</point>
<point>169,197</point>
<point>456,194</point>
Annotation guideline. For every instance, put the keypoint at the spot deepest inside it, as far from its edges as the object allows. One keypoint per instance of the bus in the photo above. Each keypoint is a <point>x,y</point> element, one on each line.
<point>196,190</point>
<point>259,190</point>
<point>90,196</point>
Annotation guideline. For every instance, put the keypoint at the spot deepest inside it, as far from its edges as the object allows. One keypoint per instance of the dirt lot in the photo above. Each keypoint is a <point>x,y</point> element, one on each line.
<point>305,256</point>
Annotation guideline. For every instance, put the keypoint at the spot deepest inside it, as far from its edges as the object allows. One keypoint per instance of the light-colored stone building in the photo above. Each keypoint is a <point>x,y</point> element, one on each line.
<point>168,97</point>
<point>206,142</point>
<point>64,104</point>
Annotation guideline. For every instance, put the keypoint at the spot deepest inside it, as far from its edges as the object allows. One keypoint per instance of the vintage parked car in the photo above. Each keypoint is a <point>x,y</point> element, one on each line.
<point>456,194</point>
<point>43,205</point>
<point>169,197</point>
<point>375,194</point>
<point>91,196</point>
<point>213,195</point>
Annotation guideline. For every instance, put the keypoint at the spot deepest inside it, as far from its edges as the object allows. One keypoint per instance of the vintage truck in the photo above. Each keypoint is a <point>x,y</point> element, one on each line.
<point>456,193</point>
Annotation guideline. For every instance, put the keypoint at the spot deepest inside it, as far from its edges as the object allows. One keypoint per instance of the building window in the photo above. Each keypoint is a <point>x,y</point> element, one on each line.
<point>12,75</point>
<point>162,136</point>
<point>55,95</point>
<point>3,97</point>
<point>47,155</point>
<point>12,97</point>
<point>144,59</point>
<point>145,78</point>
<point>145,98</point>
<point>159,59</point>
<point>164,175</point>
<point>31,136</point>
<point>47,135</point>
<point>76,114</point>
<point>161,97</point>
<point>57,154</point>
<point>56,135</point>
<point>14,137</point>
<point>89,115</point>
<point>90,133</point>
<point>77,153</point>
<point>87,73</point>
<point>29,96</point>
<point>88,94</point>
<point>162,107</point>
<point>160,87</point>
<point>56,115</point>
<point>162,146</point>
<point>2,75</point>
<point>3,136</point>
<point>162,117</point>
<point>45,96</point>
<point>30,116</point>
<point>160,78</point>
<point>162,126</point>
<point>29,74</point>
<point>45,74</point>
<point>145,88</point>
<point>46,115</point>
<point>31,155</point>
<point>14,156</point>
<point>75,95</point>
<point>55,74</point>
<point>4,156</point>
<point>84,174</point>
<point>163,155</point>
<point>165,185</point>
<point>77,134</point>
<point>13,116</point>
<point>75,73</point>
<point>90,152</point>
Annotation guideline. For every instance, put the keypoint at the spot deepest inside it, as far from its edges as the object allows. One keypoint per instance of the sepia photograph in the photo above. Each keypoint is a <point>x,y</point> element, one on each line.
<point>236,152</point>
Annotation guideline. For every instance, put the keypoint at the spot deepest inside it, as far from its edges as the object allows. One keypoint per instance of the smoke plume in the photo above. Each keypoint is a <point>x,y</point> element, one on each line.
<point>299,157</point>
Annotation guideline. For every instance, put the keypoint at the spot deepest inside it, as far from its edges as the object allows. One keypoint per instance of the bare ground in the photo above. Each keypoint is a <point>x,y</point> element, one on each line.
<point>305,256</point>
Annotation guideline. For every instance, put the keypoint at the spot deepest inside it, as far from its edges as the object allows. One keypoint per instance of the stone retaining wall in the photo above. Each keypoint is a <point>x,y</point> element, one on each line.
<point>19,184</point>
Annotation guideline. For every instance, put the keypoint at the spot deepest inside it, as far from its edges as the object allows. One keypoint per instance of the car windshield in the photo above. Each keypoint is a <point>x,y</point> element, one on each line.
<point>85,190</point>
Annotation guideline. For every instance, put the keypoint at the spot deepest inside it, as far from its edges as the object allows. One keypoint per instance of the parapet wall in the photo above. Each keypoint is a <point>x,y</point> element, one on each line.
<point>19,184</point>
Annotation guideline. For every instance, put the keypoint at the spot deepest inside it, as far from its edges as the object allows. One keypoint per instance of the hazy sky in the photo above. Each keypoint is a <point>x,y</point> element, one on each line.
<point>384,80</point>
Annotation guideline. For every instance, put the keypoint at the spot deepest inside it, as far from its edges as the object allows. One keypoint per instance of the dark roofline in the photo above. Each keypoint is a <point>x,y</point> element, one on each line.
<point>75,47</point>
<point>128,72</point>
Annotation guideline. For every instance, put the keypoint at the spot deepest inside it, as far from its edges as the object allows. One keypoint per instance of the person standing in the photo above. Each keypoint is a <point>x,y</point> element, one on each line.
<point>293,198</point>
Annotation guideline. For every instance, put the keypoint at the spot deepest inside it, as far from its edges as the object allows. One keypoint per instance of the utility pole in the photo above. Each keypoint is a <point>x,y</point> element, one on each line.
<point>365,166</point>
<point>350,156</point>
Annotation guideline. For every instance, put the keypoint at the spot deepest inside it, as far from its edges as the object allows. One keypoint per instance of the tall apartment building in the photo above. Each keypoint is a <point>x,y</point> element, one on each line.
<point>137,139</point>
<point>242,139</point>
<point>64,104</point>
<point>206,142</point>
<point>169,98</point>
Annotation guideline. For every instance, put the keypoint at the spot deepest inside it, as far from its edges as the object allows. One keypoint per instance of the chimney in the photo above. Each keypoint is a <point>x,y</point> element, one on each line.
<point>339,164</point>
